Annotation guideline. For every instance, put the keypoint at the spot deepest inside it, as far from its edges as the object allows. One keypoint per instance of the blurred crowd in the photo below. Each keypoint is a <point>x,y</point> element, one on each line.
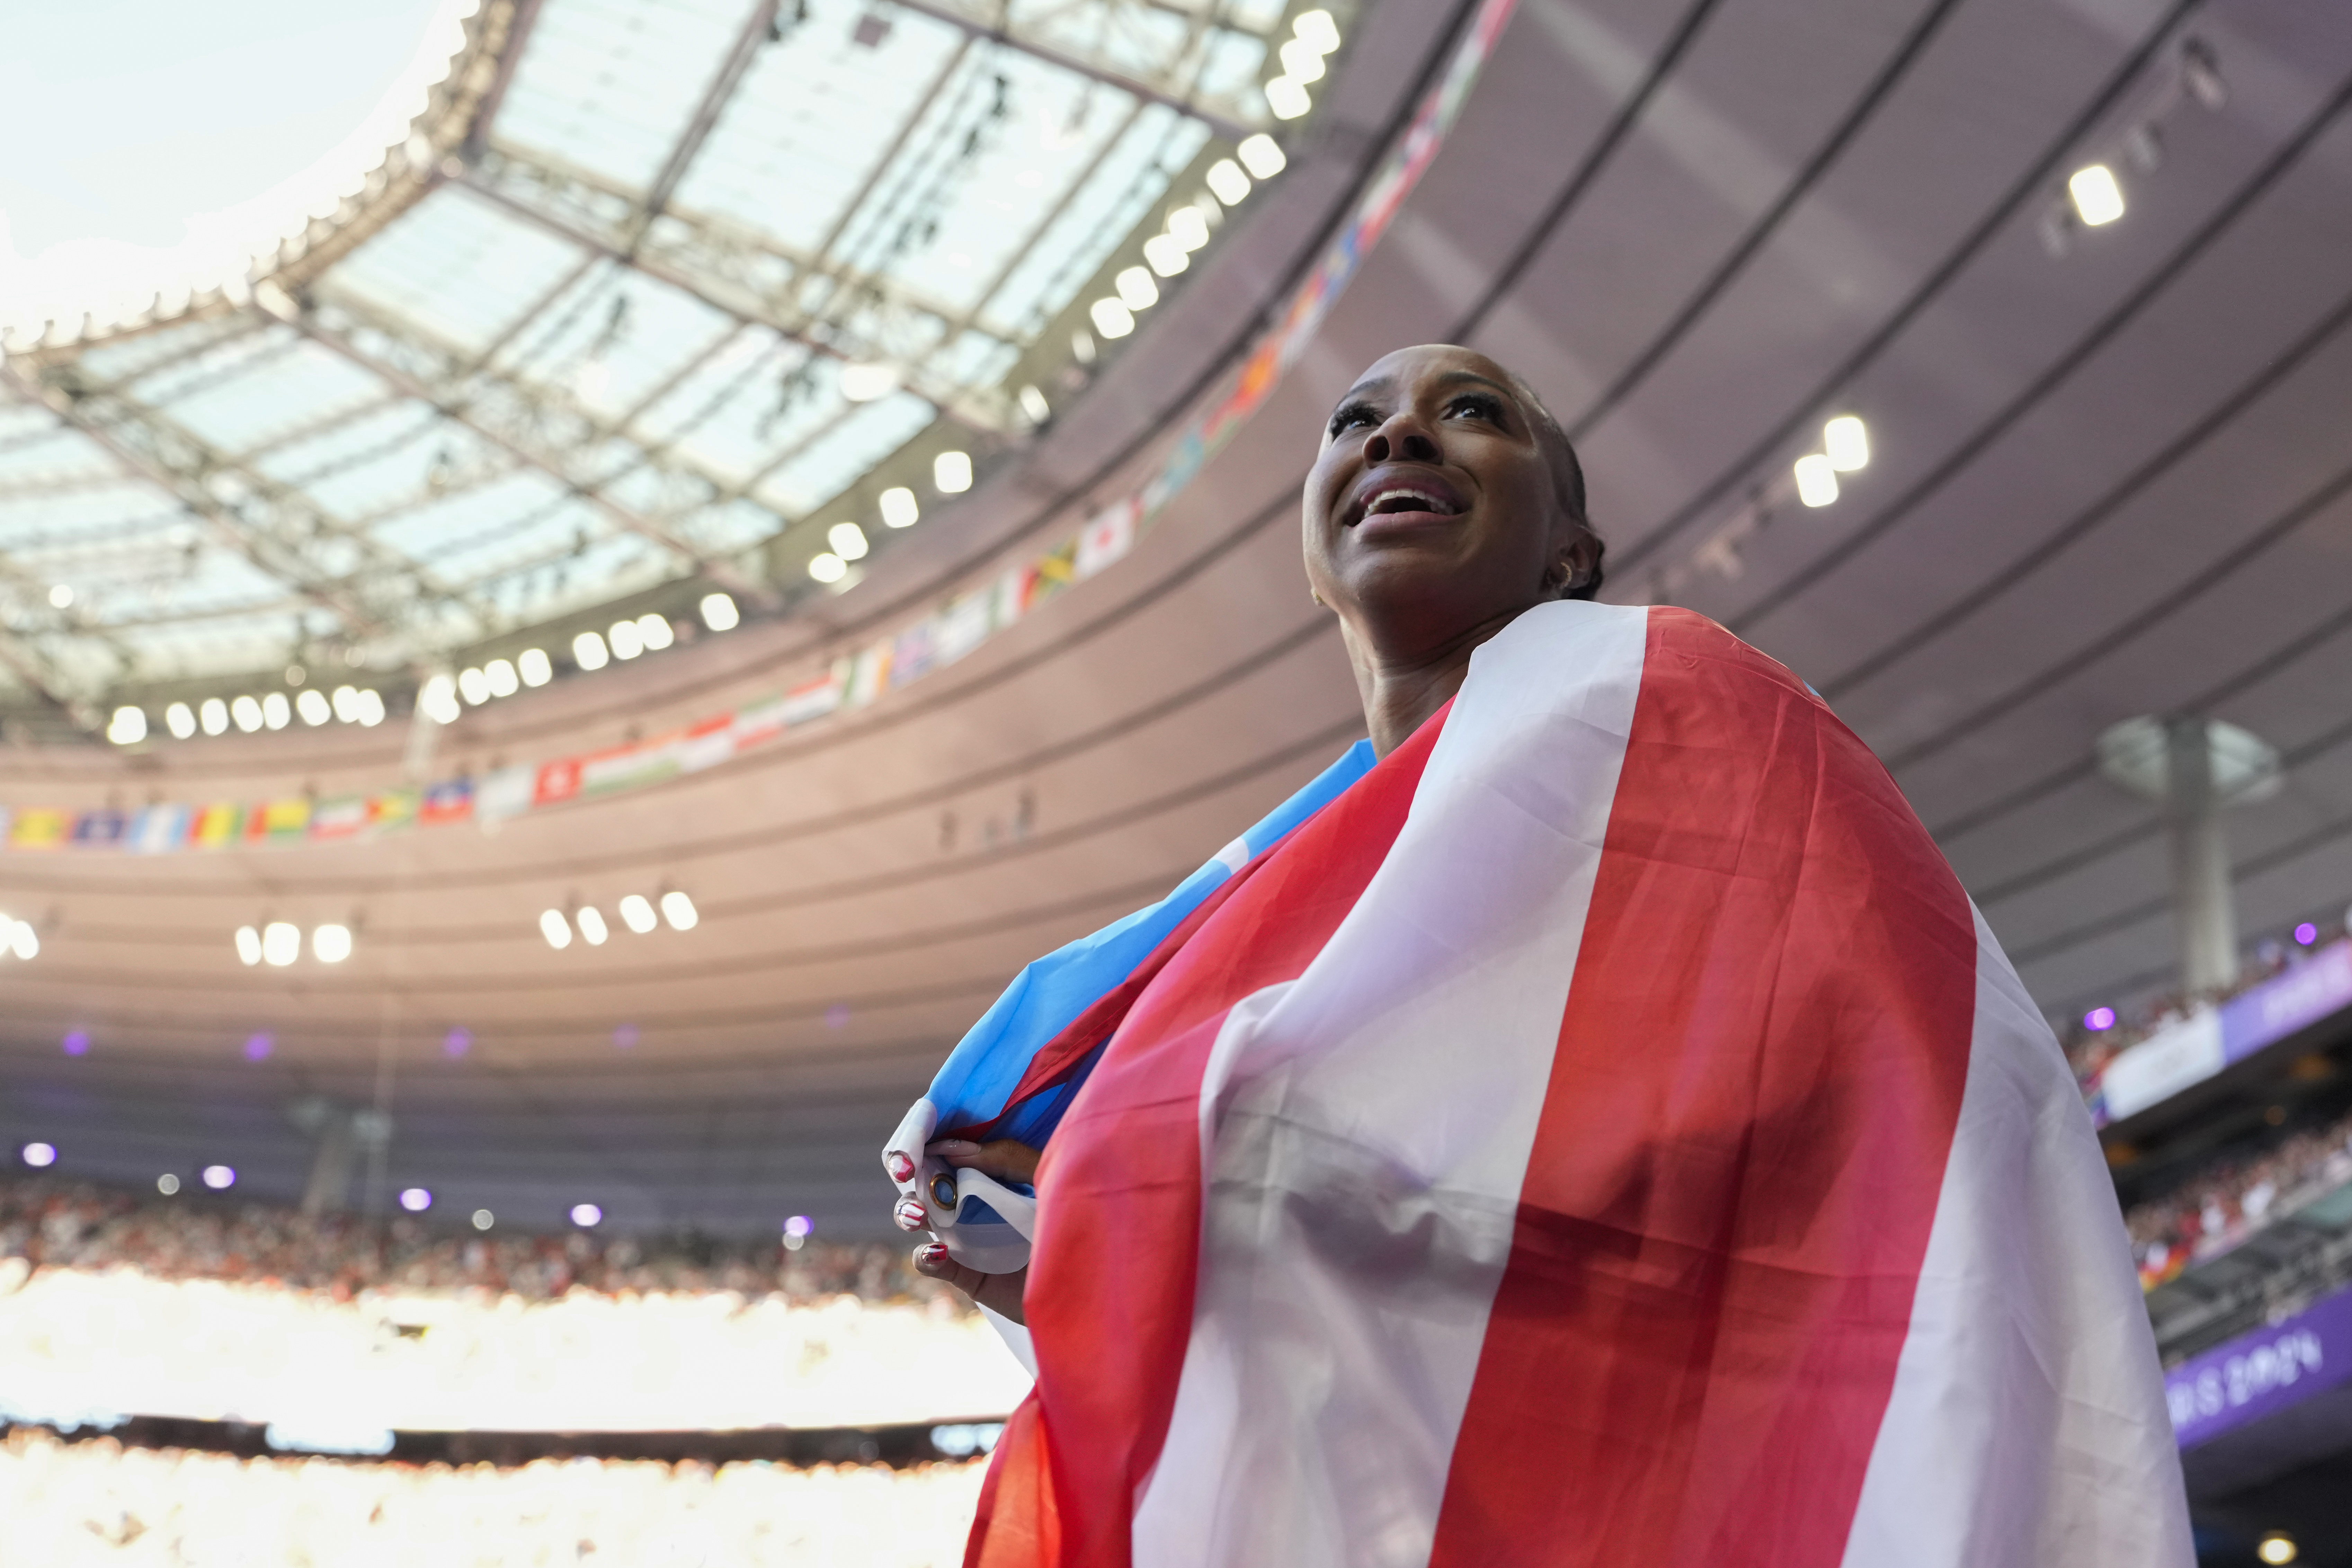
<point>67,1504</point>
<point>60,1224</point>
<point>2229,1201</point>
<point>2089,1050</point>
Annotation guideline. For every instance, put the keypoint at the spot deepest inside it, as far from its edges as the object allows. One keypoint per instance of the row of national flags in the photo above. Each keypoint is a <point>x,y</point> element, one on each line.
<point>852,680</point>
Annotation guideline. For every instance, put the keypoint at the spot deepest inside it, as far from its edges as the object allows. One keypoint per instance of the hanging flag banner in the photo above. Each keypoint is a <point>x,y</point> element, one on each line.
<point>961,621</point>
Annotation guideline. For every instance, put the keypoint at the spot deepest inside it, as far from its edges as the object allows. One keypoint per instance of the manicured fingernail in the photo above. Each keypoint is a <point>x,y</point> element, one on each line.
<point>930,1255</point>
<point>910,1215</point>
<point>901,1167</point>
<point>955,1146</point>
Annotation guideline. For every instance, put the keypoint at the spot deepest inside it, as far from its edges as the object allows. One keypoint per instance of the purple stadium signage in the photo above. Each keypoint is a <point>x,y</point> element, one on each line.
<point>2192,1051</point>
<point>2258,1374</point>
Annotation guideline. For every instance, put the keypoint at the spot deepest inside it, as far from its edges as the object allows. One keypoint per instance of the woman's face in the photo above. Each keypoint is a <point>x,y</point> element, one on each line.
<point>1431,509</point>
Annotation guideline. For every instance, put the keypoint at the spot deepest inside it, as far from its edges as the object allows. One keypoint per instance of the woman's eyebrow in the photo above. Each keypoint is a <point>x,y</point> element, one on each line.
<point>1453,377</point>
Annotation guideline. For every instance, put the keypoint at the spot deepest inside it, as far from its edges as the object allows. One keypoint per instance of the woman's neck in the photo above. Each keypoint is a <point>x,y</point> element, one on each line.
<point>1402,689</point>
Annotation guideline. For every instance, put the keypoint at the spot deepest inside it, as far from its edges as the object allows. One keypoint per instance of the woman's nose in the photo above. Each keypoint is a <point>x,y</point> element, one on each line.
<point>1402,437</point>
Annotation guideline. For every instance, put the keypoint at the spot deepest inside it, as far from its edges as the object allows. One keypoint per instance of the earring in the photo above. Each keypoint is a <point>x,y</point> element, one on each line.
<point>1316,597</point>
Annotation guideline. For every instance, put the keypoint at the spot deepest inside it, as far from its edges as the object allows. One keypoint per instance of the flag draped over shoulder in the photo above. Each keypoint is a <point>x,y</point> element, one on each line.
<point>1601,1131</point>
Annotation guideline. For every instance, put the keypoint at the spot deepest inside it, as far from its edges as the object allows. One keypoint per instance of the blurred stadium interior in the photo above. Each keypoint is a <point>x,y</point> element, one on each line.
<point>546,684</point>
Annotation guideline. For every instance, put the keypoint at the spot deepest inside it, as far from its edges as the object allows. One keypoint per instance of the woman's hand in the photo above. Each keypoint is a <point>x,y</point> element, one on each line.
<point>1007,1161</point>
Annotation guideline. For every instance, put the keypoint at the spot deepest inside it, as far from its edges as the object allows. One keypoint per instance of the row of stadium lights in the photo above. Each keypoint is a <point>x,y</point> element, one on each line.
<point>40,1156</point>
<point>951,476</point>
<point>637,912</point>
<point>279,942</point>
<point>438,698</point>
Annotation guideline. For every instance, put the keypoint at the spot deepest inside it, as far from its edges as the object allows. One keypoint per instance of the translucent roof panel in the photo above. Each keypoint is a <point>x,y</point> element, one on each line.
<point>612,86</point>
<point>462,269</point>
<point>287,390</point>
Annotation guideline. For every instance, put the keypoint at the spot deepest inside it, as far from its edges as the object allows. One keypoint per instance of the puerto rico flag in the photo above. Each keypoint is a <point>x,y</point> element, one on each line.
<point>1601,1131</point>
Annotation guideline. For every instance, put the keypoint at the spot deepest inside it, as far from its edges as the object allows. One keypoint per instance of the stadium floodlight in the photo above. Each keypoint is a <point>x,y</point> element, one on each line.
<point>346,704</point>
<point>679,910</point>
<point>624,639</point>
<point>499,676</point>
<point>555,929</point>
<point>276,712</point>
<point>167,1184</point>
<point>39,1155</point>
<point>248,946</point>
<point>654,631</point>
<point>2098,199</point>
<point>437,698</point>
<point>849,541</point>
<point>586,1214</point>
<point>181,720</point>
<point>1110,318</point>
<point>535,668</point>
<point>719,611</point>
<point>1188,226</point>
<point>898,508</point>
<point>952,472</point>
<point>330,944</point>
<point>473,686</point>
<point>416,1200</point>
<point>371,707</point>
<point>590,922</point>
<point>213,716</point>
<point>247,711</point>
<point>1165,255</point>
<point>1227,182</point>
<point>281,943</point>
<point>1137,291</point>
<point>219,1178</point>
<point>588,651</point>
<point>313,706</point>
<point>19,938</point>
<point>827,567</point>
<point>1816,480</point>
<point>484,1219</point>
<point>1316,30</point>
<point>61,597</point>
<point>1845,441</point>
<point>637,913</point>
<point>1262,155</point>
<point>2277,1548</point>
<point>127,727</point>
<point>1034,405</point>
<point>1289,99</point>
<point>1302,62</point>
<point>867,383</point>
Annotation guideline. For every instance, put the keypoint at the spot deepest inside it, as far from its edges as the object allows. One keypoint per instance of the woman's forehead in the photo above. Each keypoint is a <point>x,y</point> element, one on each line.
<point>1430,366</point>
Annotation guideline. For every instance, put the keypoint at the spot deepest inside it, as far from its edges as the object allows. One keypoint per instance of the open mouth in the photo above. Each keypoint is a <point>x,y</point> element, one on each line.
<point>1402,499</point>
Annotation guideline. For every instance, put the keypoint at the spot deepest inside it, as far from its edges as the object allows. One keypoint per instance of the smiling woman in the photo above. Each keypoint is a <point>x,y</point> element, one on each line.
<point>1589,1122</point>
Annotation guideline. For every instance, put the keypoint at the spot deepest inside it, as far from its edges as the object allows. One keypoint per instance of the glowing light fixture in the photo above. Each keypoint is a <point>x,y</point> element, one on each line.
<point>2306,933</point>
<point>1816,480</point>
<point>626,641</point>
<point>484,1219</point>
<point>181,720</point>
<point>1287,98</point>
<point>719,611</point>
<point>281,943</point>
<point>1302,62</point>
<point>1227,182</point>
<point>1034,405</point>
<point>899,508</point>
<point>1188,227</point>
<point>473,686</point>
<point>437,698</point>
<point>555,929</point>
<point>1110,318</point>
<point>127,727</point>
<point>1316,30</point>
<point>637,913</point>
<point>330,944</point>
<point>39,1155</point>
<point>499,676</point>
<point>346,704</point>
<point>591,923</point>
<point>654,630</point>
<point>535,668</point>
<point>314,706</point>
<point>213,716</point>
<point>1845,440</point>
<point>416,1200</point>
<point>828,567</point>
<point>60,597</point>
<point>2097,198</point>
<point>19,938</point>
<point>588,651</point>
<point>2277,1548</point>
<point>586,1214</point>
<point>2099,1019</point>
<point>865,383</point>
<point>248,946</point>
<point>219,1178</point>
<point>849,541</point>
<point>952,473</point>
<point>679,910</point>
<point>1165,255</point>
<point>1137,291</point>
<point>248,714</point>
<point>276,712</point>
<point>167,1184</point>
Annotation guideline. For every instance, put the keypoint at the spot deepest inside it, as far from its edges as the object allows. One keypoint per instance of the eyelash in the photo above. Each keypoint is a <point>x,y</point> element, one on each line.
<point>1488,407</point>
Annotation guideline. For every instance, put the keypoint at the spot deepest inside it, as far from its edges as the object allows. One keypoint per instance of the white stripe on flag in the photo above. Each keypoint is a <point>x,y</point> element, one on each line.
<point>1354,1238</point>
<point>2027,1424</point>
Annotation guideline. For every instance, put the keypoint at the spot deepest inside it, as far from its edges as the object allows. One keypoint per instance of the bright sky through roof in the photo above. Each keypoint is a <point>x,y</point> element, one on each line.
<point>141,140</point>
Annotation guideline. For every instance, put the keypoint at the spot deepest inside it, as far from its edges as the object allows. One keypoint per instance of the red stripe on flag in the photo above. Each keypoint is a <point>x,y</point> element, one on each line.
<point>1742,1142</point>
<point>1109,1298</point>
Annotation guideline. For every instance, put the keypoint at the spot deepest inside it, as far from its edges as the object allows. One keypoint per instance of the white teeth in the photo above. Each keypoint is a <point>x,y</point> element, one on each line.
<point>1430,502</point>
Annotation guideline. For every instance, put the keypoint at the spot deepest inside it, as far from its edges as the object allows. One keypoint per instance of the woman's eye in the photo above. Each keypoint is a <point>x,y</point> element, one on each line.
<point>1475,408</point>
<point>1355,413</point>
